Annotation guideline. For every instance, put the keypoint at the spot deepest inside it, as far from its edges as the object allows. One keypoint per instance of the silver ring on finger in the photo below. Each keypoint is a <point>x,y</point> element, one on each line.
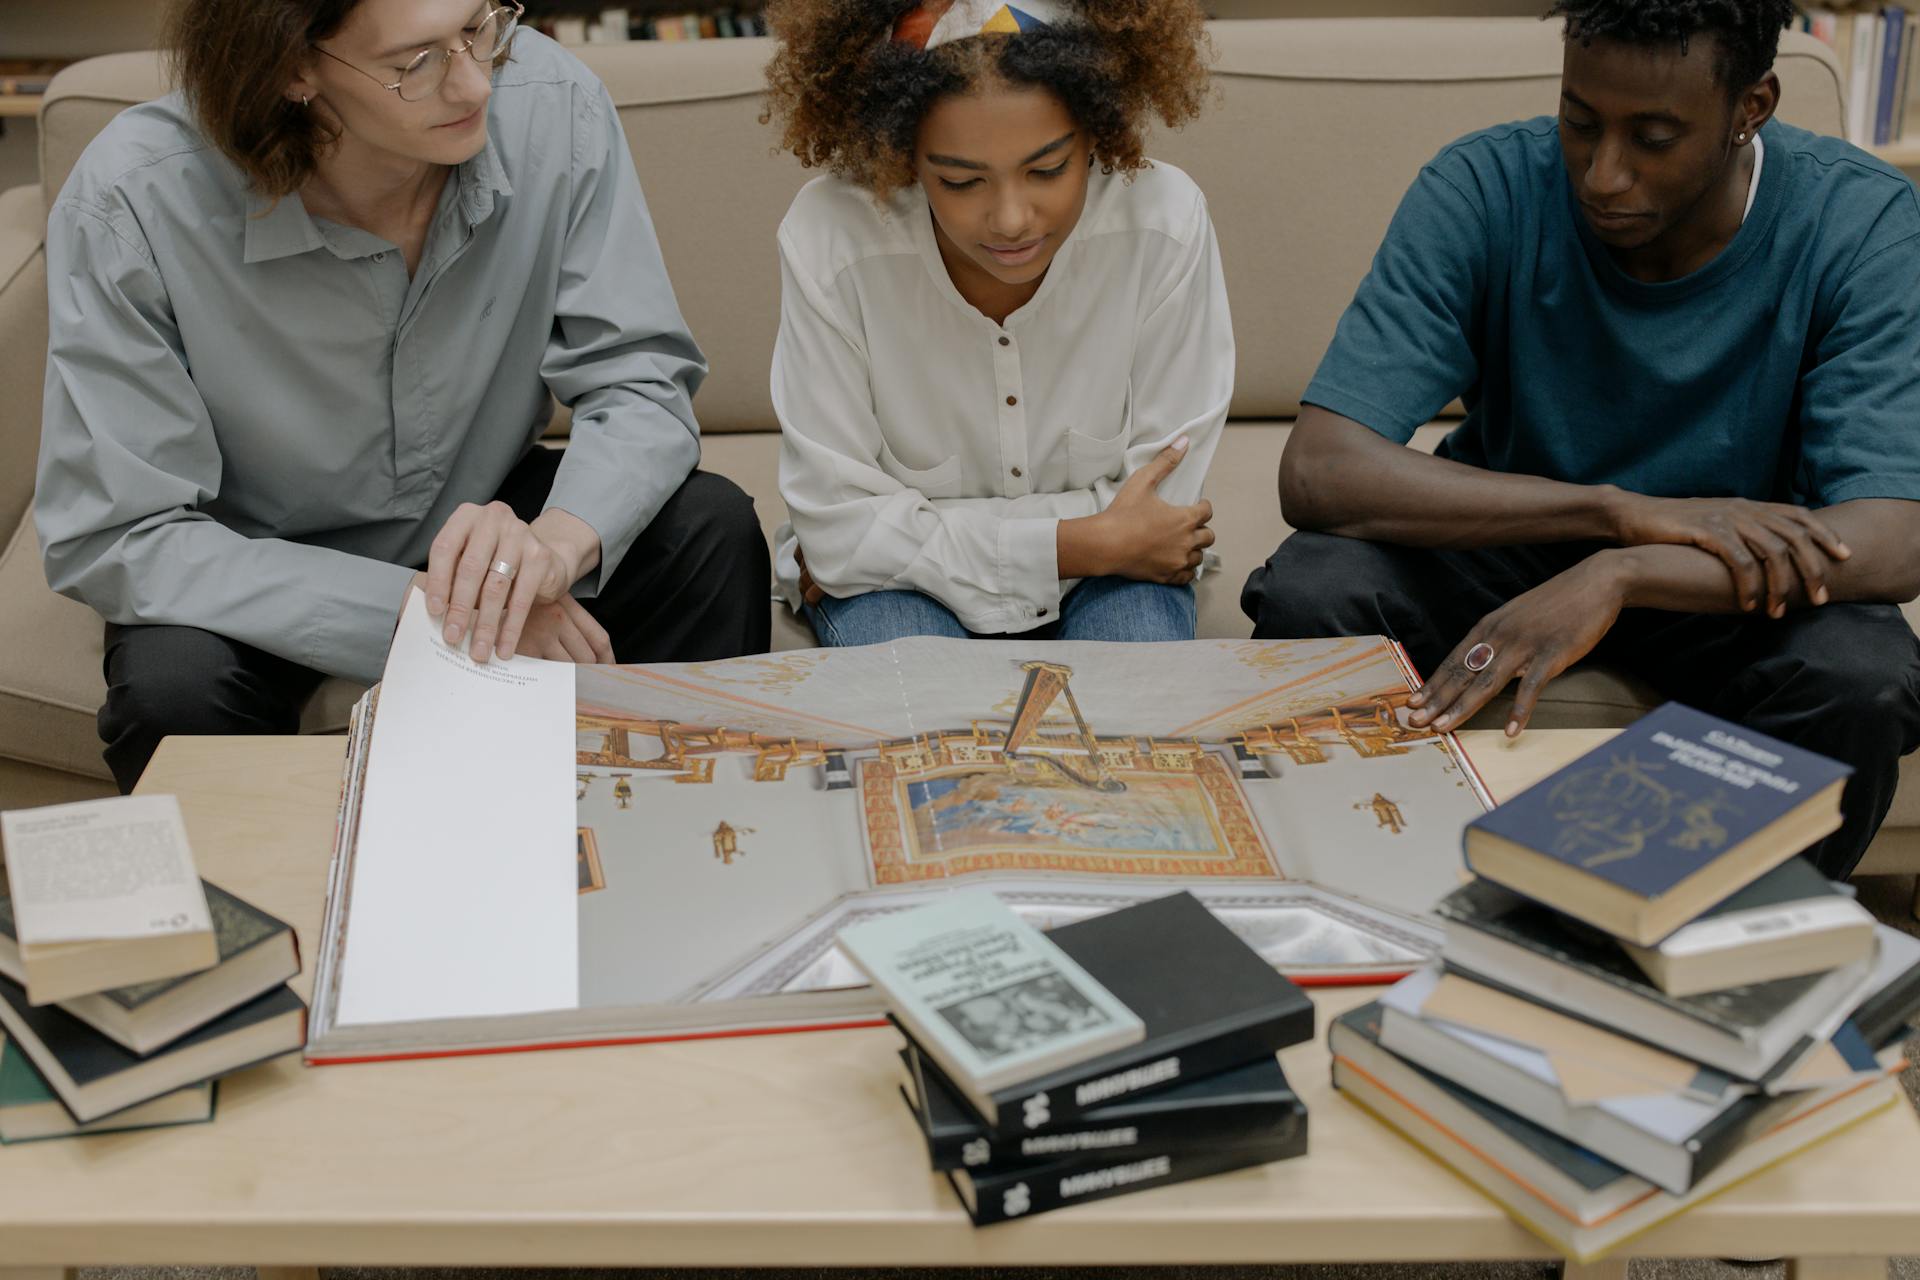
<point>504,569</point>
<point>1478,658</point>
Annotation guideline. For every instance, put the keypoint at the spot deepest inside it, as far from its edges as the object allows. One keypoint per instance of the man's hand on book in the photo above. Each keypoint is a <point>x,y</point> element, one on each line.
<point>1770,548</point>
<point>1533,637</point>
<point>486,572</point>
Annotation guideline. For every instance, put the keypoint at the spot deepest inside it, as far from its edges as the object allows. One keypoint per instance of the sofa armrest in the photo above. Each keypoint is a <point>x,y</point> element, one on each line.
<point>23,345</point>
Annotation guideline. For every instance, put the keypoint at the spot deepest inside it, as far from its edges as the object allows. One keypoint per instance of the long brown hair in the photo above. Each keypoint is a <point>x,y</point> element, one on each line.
<point>233,58</point>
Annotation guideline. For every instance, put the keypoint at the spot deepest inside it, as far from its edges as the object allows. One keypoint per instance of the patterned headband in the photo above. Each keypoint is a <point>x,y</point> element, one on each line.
<point>933,23</point>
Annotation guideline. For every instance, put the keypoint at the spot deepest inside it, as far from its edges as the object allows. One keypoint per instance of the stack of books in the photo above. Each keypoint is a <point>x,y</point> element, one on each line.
<point>1874,45</point>
<point>1049,1070</point>
<point>128,985</point>
<point>1645,996</point>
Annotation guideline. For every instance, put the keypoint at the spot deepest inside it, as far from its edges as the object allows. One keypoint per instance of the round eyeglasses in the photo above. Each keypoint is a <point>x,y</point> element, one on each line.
<point>487,41</point>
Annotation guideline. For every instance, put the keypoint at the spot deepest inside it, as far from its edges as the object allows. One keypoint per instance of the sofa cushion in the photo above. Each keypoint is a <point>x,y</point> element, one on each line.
<point>50,681</point>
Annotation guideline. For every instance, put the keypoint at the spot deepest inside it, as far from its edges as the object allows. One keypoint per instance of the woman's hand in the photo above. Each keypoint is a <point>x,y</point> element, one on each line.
<point>1139,535</point>
<point>486,571</point>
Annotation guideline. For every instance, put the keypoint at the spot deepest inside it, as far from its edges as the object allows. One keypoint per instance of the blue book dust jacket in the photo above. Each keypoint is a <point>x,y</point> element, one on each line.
<point>1668,795</point>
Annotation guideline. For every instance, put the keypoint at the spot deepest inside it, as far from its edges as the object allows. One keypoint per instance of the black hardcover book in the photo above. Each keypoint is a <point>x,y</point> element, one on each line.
<point>94,1077</point>
<point>1505,915</point>
<point>257,952</point>
<point>1208,1000</point>
<point>1242,1104</point>
<point>1589,1171</point>
<point>1882,1017</point>
<point>1021,1191</point>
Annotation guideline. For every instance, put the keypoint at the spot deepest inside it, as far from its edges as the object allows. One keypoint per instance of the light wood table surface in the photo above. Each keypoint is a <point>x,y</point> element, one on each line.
<point>789,1150</point>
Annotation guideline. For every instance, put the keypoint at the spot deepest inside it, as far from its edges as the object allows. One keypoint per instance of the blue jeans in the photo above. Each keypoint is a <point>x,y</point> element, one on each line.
<point>1097,609</point>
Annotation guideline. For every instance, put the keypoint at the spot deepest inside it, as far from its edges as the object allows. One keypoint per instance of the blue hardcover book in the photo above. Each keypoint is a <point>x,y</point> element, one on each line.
<point>1654,826</point>
<point>1889,76</point>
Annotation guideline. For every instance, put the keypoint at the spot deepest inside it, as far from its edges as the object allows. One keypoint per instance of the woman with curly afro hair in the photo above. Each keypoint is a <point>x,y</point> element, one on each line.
<point>1005,354</point>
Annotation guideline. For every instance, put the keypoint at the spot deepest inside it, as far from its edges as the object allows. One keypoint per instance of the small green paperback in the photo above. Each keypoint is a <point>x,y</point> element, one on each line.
<point>986,994</point>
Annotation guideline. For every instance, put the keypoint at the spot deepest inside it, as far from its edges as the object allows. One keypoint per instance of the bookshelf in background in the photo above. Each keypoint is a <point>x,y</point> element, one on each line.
<point>571,22</point>
<point>1875,46</point>
<point>22,81</point>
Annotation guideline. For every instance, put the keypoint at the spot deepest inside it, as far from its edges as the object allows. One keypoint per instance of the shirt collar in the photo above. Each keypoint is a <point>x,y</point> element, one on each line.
<point>282,228</point>
<point>278,228</point>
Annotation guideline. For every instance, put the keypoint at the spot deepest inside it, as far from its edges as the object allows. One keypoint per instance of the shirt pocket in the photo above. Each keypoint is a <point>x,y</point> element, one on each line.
<point>942,480</point>
<point>1091,457</point>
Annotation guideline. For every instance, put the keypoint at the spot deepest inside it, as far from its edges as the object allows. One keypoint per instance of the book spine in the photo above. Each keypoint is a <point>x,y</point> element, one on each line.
<point>1054,1102</point>
<point>1882,1016</point>
<point>1723,1136</point>
<point>1023,1193</point>
<point>1209,1126</point>
<point>1859,72</point>
<point>1889,76</point>
<point>1905,85</point>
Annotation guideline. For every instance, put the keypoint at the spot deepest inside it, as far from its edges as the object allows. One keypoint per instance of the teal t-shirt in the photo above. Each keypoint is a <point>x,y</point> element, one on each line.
<point>1787,369</point>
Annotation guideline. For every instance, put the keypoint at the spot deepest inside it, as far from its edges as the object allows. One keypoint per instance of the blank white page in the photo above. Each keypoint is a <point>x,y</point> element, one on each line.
<point>463,899</point>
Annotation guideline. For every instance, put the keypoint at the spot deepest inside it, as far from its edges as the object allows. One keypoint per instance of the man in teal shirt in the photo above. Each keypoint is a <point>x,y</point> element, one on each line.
<point>1688,339</point>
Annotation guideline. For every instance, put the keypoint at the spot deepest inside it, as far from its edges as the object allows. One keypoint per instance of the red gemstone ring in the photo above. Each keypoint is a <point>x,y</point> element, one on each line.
<point>1478,658</point>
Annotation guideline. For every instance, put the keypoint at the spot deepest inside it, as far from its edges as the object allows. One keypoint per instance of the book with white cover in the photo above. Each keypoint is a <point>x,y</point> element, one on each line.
<point>104,895</point>
<point>986,993</point>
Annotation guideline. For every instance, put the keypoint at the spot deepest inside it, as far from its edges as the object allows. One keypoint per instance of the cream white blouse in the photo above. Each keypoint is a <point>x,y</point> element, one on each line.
<point>926,448</point>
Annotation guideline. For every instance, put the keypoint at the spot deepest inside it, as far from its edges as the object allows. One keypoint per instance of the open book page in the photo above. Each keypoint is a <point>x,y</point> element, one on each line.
<point>461,898</point>
<point>785,796</point>
<point>102,869</point>
<point>674,848</point>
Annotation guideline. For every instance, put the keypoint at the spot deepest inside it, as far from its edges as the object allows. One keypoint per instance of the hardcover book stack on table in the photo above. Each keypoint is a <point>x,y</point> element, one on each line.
<point>128,985</point>
<point>1645,996</point>
<point>1115,1054</point>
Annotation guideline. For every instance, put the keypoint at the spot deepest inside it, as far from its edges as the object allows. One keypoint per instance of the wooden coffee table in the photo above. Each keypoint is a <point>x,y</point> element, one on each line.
<point>790,1150</point>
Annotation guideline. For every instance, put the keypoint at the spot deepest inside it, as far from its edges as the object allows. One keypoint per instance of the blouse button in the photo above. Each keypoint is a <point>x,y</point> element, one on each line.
<point>1016,473</point>
<point>1006,342</point>
<point>1013,399</point>
<point>1041,614</point>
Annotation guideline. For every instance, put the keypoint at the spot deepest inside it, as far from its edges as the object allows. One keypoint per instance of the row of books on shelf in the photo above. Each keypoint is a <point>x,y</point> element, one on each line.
<point>20,76</point>
<point>1595,1049</point>
<point>1875,46</point>
<point>128,985</point>
<point>616,25</point>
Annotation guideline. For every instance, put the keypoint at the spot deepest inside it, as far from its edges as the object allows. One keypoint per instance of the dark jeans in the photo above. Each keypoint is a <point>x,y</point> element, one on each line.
<point>693,586</point>
<point>1842,680</point>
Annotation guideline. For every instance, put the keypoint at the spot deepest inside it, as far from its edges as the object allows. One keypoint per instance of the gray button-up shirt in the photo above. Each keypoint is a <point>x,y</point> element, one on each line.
<point>256,422</point>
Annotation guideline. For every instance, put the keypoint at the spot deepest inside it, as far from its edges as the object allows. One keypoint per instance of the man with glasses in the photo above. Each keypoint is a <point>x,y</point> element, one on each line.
<point>307,317</point>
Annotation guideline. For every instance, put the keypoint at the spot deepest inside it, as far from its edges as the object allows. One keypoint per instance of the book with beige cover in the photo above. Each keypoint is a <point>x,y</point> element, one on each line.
<point>104,895</point>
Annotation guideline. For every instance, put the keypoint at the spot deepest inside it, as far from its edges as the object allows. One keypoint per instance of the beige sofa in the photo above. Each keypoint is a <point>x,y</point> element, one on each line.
<point>1318,128</point>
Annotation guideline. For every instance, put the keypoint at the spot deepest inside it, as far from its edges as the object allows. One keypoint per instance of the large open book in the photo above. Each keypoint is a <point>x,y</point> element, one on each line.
<point>536,854</point>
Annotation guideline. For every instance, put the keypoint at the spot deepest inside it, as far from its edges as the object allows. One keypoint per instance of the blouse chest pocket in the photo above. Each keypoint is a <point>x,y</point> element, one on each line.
<point>1092,457</point>
<point>941,480</point>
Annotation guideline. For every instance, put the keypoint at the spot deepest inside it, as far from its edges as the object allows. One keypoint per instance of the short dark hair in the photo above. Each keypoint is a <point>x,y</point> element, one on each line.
<point>849,99</point>
<point>1748,30</point>
<point>233,59</point>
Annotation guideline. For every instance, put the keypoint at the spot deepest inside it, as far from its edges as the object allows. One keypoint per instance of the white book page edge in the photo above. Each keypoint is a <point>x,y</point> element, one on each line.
<point>464,895</point>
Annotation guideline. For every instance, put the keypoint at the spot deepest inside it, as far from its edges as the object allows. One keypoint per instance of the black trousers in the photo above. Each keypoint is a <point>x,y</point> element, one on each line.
<point>693,586</point>
<point>1842,680</point>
